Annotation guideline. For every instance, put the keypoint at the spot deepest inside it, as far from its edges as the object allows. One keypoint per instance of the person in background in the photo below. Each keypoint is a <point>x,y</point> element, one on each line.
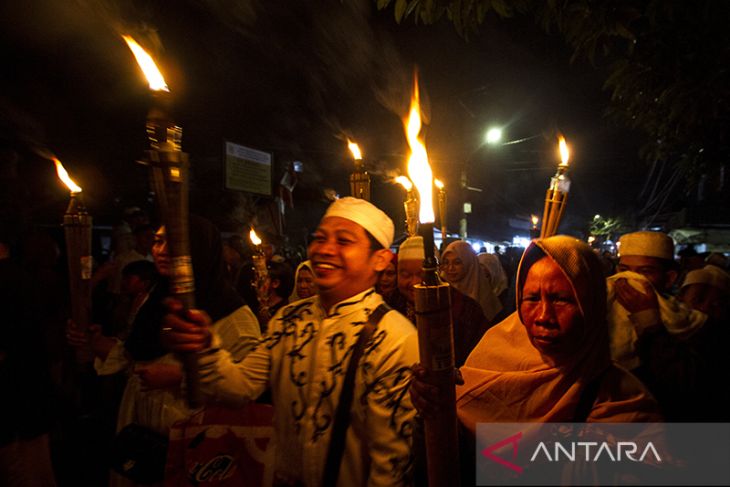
<point>496,275</point>
<point>153,396</point>
<point>387,286</point>
<point>26,408</point>
<point>650,329</point>
<point>304,285</point>
<point>460,266</point>
<point>277,288</point>
<point>303,357</point>
<point>708,290</point>
<point>468,318</point>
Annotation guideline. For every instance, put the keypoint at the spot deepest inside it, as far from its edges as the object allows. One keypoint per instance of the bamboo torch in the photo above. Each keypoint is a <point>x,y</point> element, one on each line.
<point>442,207</point>
<point>359,179</point>
<point>557,194</point>
<point>77,225</point>
<point>410,204</point>
<point>261,274</point>
<point>169,177</point>
<point>433,318</point>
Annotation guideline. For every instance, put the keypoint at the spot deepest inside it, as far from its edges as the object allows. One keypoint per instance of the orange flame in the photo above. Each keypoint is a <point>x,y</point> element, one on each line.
<point>254,238</point>
<point>63,176</point>
<point>405,182</point>
<point>564,151</point>
<point>418,168</point>
<point>355,149</point>
<point>148,66</point>
<point>535,219</point>
<point>438,183</point>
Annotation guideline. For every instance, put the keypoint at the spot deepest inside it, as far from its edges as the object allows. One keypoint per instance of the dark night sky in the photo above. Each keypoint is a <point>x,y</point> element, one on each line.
<point>290,77</point>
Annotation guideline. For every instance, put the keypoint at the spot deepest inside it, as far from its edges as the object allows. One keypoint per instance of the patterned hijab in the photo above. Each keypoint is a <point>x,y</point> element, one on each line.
<point>508,380</point>
<point>474,284</point>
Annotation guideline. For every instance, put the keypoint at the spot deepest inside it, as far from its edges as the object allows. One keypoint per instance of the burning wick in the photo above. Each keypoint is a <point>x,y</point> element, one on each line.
<point>254,238</point>
<point>355,149</point>
<point>564,152</point>
<point>405,182</point>
<point>148,66</point>
<point>419,171</point>
<point>63,176</point>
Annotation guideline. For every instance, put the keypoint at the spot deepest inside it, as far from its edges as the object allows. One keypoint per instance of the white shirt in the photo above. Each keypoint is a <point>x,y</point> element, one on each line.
<point>303,359</point>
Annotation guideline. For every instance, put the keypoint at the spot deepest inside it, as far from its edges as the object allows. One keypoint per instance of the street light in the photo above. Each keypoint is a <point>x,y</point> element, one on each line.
<point>494,135</point>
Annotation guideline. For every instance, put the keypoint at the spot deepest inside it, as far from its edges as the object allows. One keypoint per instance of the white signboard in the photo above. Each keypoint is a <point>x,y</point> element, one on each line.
<point>248,169</point>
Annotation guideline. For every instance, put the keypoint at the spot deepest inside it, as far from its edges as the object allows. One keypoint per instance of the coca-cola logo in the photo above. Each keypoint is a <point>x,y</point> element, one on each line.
<point>217,468</point>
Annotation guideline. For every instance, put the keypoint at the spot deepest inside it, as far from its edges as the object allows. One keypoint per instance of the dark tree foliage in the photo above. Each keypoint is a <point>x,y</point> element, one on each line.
<point>667,64</point>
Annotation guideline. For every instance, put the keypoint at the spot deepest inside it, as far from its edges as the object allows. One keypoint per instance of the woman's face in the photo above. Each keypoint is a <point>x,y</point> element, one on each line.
<point>388,278</point>
<point>305,283</point>
<point>453,267</point>
<point>550,310</point>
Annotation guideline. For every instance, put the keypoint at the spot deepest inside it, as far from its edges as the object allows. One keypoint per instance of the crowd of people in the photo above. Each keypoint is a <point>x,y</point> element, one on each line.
<point>329,345</point>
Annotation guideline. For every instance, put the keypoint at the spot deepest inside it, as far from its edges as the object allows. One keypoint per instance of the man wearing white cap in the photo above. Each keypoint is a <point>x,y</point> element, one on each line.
<point>648,327</point>
<point>304,356</point>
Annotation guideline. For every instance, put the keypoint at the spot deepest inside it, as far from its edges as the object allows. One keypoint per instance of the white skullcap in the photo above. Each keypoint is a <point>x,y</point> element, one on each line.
<point>710,275</point>
<point>412,248</point>
<point>647,244</point>
<point>365,214</point>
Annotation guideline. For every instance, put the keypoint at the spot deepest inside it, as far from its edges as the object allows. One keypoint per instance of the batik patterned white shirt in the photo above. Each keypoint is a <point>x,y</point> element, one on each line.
<point>303,359</point>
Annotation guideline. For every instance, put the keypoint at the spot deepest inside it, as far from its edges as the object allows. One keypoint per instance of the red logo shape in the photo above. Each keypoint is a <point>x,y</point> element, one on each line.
<point>488,452</point>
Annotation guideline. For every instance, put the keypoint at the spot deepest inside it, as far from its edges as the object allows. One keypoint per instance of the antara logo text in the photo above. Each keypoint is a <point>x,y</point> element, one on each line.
<point>589,451</point>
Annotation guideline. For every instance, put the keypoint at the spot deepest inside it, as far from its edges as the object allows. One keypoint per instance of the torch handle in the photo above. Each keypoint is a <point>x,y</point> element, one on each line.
<point>436,351</point>
<point>169,176</point>
<point>189,361</point>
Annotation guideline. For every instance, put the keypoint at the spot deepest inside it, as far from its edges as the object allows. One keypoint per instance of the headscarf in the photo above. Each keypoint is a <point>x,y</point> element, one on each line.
<point>497,275</point>
<point>474,284</point>
<point>508,380</point>
<point>213,292</point>
<point>307,264</point>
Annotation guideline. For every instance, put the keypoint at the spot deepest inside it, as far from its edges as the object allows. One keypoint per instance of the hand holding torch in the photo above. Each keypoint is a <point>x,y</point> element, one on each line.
<point>433,320</point>
<point>169,176</point>
<point>557,194</point>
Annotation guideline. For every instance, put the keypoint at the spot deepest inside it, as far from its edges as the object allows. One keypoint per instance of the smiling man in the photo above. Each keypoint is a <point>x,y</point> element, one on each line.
<point>304,356</point>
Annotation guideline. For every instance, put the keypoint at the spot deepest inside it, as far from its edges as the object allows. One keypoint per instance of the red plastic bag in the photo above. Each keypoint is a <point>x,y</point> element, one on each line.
<point>222,447</point>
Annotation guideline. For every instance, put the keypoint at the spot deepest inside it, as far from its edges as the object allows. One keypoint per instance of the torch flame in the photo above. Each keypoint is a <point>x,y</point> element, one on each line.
<point>564,151</point>
<point>438,183</point>
<point>254,238</point>
<point>418,168</point>
<point>405,182</point>
<point>355,149</point>
<point>148,66</point>
<point>63,175</point>
<point>535,220</point>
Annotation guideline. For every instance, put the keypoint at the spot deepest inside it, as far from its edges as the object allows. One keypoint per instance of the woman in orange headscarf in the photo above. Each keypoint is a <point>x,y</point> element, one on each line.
<point>540,362</point>
<point>550,360</point>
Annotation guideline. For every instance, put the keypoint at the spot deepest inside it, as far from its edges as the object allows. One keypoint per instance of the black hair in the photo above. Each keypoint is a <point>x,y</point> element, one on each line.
<point>282,272</point>
<point>374,243</point>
